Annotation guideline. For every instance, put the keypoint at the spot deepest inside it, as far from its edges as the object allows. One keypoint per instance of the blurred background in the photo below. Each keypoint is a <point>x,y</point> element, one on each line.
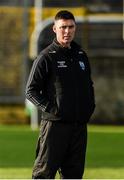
<point>26,29</point>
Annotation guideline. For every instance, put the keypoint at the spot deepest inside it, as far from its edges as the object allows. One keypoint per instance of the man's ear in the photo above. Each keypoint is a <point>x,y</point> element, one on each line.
<point>54,28</point>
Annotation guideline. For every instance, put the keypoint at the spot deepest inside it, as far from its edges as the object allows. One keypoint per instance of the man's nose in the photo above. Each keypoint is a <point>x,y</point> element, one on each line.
<point>67,30</point>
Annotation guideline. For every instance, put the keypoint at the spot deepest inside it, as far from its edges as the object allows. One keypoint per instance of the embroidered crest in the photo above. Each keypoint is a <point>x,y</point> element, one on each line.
<point>82,65</point>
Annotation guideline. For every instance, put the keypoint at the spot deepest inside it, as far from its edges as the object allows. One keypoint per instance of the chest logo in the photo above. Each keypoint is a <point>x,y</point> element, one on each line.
<point>61,64</point>
<point>82,65</point>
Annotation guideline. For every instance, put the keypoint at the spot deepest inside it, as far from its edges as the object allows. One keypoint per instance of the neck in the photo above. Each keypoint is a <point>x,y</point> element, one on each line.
<point>66,45</point>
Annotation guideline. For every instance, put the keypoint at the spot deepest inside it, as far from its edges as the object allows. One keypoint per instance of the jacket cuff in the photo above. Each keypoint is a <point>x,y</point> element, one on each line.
<point>51,108</point>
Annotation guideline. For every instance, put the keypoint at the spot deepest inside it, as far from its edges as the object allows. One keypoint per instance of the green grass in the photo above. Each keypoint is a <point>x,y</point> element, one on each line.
<point>105,152</point>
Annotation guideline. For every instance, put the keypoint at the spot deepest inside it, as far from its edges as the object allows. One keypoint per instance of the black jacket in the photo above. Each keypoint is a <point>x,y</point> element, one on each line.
<point>60,84</point>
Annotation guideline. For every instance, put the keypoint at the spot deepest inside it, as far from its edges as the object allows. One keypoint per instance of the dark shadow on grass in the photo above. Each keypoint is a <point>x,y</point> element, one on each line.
<point>105,150</point>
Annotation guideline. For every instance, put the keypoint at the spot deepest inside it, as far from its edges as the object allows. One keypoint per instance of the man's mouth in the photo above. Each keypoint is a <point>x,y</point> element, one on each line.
<point>66,37</point>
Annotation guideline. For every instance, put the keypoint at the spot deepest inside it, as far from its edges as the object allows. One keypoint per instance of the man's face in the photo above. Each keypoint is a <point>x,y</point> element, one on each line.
<point>65,31</point>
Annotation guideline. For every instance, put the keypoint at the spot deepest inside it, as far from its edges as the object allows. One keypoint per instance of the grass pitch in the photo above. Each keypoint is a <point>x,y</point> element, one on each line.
<point>104,160</point>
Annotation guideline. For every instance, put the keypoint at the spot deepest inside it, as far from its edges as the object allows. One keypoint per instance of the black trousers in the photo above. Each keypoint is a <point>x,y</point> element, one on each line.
<point>60,147</point>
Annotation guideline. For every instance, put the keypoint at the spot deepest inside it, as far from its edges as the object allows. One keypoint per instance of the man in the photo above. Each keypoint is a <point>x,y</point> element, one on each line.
<point>60,85</point>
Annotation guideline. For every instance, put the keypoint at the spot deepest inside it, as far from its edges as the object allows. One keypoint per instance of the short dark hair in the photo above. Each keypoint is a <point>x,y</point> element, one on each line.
<point>64,14</point>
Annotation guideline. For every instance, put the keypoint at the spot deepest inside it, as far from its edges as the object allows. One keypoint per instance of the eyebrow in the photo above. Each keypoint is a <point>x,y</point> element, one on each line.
<point>65,26</point>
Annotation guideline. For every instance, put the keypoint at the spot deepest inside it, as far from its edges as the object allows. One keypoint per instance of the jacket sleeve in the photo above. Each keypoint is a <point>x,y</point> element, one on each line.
<point>91,99</point>
<point>35,88</point>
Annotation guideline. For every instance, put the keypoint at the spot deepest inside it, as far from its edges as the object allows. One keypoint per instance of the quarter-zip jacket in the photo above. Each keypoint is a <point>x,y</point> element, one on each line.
<point>60,84</point>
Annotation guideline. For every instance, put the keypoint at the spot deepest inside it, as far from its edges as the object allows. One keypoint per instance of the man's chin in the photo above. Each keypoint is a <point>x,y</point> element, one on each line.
<point>67,41</point>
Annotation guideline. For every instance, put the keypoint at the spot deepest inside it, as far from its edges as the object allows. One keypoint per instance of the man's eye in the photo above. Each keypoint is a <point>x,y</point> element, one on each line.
<point>70,27</point>
<point>63,27</point>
